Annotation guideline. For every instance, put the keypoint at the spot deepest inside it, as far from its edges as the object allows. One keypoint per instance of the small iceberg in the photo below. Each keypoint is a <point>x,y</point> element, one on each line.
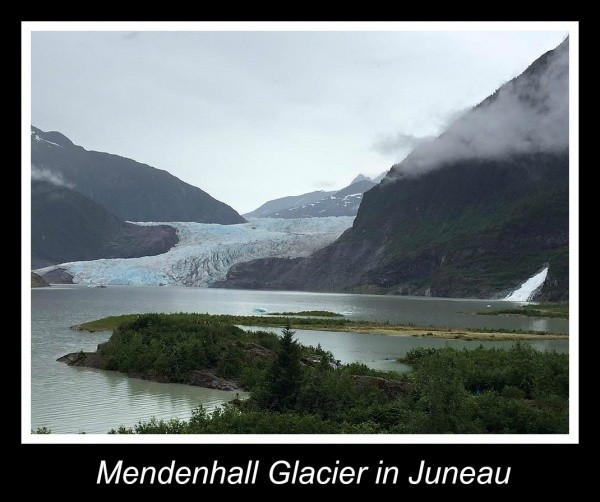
<point>526,291</point>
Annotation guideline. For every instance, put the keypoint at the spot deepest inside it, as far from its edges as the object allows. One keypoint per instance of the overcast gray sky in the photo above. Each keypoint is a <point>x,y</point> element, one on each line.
<point>252,116</point>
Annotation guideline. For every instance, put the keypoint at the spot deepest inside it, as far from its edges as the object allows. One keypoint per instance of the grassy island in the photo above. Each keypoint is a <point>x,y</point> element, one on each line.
<point>340,324</point>
<point>307,313</point>
<point>300,389</point>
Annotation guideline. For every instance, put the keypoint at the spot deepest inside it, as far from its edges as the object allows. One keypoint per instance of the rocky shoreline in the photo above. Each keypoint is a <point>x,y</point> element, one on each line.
<point>199,378</point>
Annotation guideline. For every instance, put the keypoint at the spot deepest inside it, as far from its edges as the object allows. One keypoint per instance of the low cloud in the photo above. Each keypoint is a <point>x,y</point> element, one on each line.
<point>43,174</point>
<point>527,115</point>
<point>449,118</point>
<point>323,184</point>
<point>398,143</point>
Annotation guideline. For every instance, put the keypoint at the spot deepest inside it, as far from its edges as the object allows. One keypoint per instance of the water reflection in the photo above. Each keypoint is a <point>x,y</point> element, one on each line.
<point>540,325</point>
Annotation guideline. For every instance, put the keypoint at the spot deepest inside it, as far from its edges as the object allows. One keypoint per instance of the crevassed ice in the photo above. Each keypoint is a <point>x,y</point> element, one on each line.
<point>525,291</point>
<point>205,252</point>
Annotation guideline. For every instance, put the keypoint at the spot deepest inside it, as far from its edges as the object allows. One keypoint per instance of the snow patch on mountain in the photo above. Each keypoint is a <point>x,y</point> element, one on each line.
<point>205,252</point>
<point>37,138</point>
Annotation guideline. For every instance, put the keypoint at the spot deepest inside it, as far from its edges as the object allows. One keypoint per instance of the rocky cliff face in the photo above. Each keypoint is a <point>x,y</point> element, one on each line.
<point>472,214</point>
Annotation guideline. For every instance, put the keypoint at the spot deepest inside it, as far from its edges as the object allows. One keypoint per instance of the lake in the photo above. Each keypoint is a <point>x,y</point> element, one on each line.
<point>71,400</point>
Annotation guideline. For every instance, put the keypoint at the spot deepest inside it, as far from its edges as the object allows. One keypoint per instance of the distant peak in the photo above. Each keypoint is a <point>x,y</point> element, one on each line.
<point>360,177</point>
<point>53,138</point>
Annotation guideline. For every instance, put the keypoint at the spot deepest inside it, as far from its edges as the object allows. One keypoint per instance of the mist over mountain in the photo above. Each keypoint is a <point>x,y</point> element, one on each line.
<point>527,115</point>
<point>472,213</point>
<point>130,190</point>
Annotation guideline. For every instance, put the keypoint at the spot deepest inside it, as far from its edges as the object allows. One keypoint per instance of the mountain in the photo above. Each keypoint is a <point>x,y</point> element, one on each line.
<point>67,226</point>
<point>271,208</point>
<point>374,179</point>
<point>360,177</point>
<point>320,204</point>
<point>473,213</point>
<point>128,189</point>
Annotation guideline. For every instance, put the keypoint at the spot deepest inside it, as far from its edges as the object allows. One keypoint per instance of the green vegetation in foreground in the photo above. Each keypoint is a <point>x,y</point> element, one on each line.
<point>516,390</point>
<point>332,324</point>
<point>37,281</point>
<point>541,310</point>
<point>313,313</point>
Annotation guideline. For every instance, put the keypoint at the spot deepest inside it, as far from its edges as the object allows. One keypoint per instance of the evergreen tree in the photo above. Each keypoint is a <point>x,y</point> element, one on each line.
<point>284,377</point>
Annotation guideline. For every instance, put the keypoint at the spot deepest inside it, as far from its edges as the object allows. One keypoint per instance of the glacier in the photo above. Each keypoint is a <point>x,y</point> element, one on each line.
<point>526,291</point>
<point>205,252</point>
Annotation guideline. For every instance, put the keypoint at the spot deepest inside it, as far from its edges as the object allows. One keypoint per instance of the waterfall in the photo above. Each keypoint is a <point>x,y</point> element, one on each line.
<point>525,291</point>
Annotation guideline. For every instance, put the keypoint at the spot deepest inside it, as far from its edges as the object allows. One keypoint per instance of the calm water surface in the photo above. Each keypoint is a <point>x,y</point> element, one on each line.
<point>71,400</point>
